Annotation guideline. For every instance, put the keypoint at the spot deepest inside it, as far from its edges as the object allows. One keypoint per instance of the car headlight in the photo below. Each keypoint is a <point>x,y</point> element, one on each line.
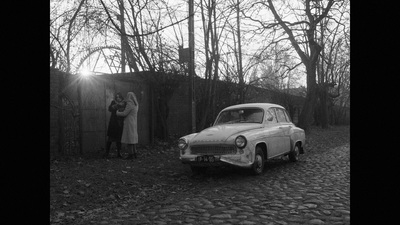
<point>182,144</point>
<point>240,141</point>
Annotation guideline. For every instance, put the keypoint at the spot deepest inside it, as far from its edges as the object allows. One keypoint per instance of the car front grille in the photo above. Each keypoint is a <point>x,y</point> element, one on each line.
<point>213,150</point>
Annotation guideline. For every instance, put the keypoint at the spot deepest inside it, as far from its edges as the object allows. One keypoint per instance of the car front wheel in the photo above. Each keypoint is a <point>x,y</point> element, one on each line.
<point>258,165</point>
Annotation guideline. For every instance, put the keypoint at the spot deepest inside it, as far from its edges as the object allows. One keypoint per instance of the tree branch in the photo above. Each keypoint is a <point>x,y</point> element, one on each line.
<point>140,35</point>
<point>69,34</point>
<point>296,46</point>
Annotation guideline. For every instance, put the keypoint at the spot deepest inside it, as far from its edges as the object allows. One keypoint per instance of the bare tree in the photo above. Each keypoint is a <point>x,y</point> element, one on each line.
<point>208,10</point>
<point>78,29</point>
<point>60,50</point>
<point>146,47</point>
<point>333,57</point>
<point>215,18</point>
<point>312,18</point>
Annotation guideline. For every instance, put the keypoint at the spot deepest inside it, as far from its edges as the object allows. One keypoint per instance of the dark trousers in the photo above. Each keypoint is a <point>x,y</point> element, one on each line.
<point>109,142</point>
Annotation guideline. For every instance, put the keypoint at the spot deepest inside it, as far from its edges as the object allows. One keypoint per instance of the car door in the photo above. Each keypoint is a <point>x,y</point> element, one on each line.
<point>275,137</point>
<point>285,126</point>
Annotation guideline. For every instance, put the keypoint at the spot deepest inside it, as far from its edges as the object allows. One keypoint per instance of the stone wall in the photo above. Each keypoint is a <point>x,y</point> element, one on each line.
<point>97,93</point>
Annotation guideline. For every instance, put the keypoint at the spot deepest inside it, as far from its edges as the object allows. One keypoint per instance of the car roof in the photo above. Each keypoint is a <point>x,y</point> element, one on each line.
<point>258,105</point>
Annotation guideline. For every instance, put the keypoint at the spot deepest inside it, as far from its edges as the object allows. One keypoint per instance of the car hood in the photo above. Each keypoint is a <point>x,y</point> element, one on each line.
<point>220,133</point>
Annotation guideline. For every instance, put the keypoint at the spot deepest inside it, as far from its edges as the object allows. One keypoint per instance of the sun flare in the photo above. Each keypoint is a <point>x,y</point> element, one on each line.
<point>85,72</point>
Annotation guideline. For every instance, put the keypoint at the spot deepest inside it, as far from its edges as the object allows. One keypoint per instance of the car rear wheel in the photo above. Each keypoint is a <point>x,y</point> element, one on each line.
<point>259,161</point>
<point>294,154</point>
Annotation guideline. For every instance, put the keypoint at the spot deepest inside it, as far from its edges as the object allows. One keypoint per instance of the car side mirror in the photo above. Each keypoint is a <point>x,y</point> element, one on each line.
<point>270,118</point>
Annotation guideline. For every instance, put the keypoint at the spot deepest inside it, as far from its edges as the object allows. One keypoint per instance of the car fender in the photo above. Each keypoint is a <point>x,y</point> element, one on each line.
<point>296,135</point>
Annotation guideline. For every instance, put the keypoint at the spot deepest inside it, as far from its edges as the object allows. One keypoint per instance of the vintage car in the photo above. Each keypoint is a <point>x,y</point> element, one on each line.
<point>244,135</point>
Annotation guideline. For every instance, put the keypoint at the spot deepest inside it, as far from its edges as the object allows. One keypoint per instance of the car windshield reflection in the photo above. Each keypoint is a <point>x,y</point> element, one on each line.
<point>243,115</point>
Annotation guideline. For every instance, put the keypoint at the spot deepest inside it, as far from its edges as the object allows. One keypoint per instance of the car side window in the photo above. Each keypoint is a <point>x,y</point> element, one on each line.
<point>281,116</point>
<point>271,113</point>
<point>287,116</point>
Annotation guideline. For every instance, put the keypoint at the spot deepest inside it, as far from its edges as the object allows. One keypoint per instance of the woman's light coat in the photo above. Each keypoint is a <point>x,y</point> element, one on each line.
<point>129,134</point>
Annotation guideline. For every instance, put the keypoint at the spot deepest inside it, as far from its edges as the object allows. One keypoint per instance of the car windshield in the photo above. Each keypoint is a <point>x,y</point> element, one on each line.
<point>242,115</point>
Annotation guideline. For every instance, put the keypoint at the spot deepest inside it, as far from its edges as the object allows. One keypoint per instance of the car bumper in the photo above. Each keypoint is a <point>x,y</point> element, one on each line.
<point>235,160</point>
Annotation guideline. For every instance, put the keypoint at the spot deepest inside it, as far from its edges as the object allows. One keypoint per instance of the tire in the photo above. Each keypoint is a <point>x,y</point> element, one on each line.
<point>294,154</point>
<point>259,161</point>
<point>198,169</point>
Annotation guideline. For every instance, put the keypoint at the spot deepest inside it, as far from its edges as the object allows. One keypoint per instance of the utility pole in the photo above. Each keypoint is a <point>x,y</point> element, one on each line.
<point>123,37</point>
<point>192,104</point>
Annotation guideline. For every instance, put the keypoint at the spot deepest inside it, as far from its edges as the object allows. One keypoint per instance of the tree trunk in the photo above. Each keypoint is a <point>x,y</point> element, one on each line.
<point>123,36</point>
<point>240,63</point>
<point>69,34</point>
<point>212,59</point>
<point>306,116</point>
<point>203,120</point>
<point>323,96</point>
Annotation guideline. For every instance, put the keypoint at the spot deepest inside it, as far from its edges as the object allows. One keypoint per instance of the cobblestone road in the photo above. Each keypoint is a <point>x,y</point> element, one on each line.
<point>314,190</point>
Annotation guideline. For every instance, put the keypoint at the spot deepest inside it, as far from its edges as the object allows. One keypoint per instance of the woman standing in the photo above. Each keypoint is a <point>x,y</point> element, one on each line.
<point>129,133</point>
<point>115,125</point>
